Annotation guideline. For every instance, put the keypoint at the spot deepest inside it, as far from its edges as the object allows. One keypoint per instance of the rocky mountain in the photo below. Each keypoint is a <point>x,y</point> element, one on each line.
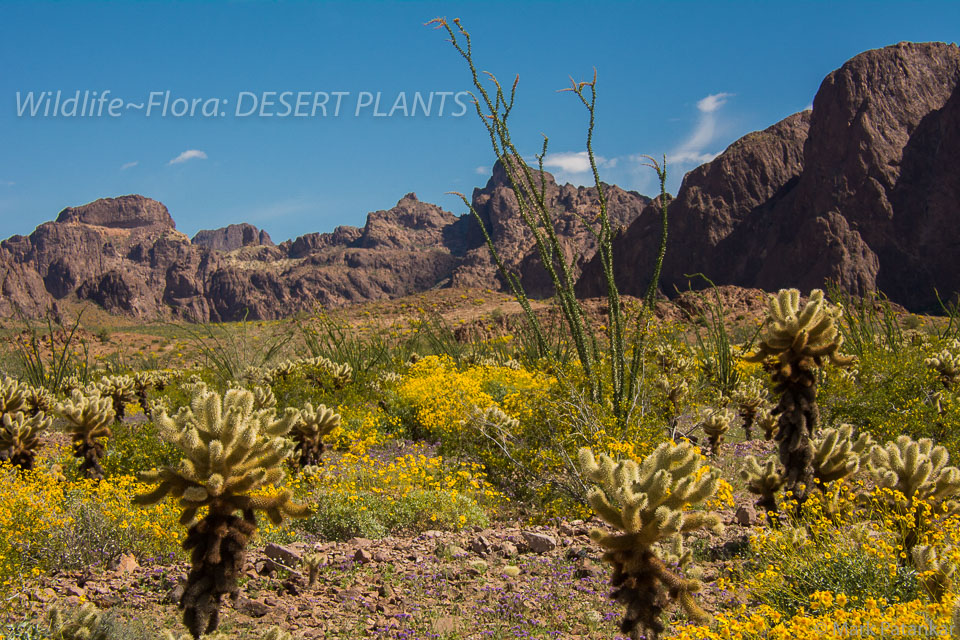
<point>126,255</point>
<point>862,191</point>
<point>232,237</point>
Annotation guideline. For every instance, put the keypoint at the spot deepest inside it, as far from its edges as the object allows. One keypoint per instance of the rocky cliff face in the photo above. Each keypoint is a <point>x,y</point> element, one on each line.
<point>125,255</point>
<point>497,207</point>
<point>232,237</point>
<point>860,191</point>
<point>863,190</point>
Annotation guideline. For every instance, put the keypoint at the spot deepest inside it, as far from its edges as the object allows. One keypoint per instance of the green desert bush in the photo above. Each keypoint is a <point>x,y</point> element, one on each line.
<point>893,393</point>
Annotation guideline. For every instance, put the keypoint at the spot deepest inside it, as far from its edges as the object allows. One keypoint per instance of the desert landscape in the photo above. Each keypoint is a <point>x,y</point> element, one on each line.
<point>569,411</point>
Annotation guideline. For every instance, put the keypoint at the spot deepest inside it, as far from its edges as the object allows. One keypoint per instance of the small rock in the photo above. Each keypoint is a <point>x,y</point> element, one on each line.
<point>363,556</point>
<point>46,595</point>
<point>539,542</point>
<point>284,556</point>
<point>566,529</point>
<point>480,545</point>
<point>74,590</point>
<point>359,542</point>
<point>453,550</point>
<point>125,563</point>
<point>252,608</point>
<point>746,516</point>
<point>587,569</point>
<point>508,549</point>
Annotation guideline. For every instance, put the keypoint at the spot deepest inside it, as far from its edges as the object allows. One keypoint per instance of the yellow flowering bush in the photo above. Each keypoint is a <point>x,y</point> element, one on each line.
<point>376,496</point>
<point>831,616</point>
<point>46,523</point>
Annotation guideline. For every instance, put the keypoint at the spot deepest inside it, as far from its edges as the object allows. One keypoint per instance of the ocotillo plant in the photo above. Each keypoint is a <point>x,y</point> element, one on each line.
<point>230,450</point>
<point>797,341</point>
<point>647,504</point>
<point>310,429</point>
<point>88,422</point>
<point>20,437</point>
<point>493,108</point>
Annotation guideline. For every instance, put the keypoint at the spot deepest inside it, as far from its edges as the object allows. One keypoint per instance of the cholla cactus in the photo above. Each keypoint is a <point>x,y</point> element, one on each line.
<point>84,623</point>
<point>749,396</point>
<point>12,396</point>
<point>230,451</point>
<point>144,381</point>
<point>764,482</point>
<point>120,390</point>
<point>263,398</point>
<point>309,430</point>
<point>88,422</point>
<point>322,370</point>
<point>936,572</point>
<point>37,400</point>
<point>796,341</point>
<point>157,406</point>
<point>676,390</point>
<point>837,455</point>
<point>947,364</point>
<point>312,561</point>
<point>282,370</point>
<point>715,425</point>
<point>919,471</point>
<point>767,423</point>
<point>647,504</point>
<point>20,437</point>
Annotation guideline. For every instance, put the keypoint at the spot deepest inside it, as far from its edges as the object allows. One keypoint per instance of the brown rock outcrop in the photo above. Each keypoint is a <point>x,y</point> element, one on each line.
<point>232,237</point>
<point>497,206</point>
<point>861,191</point>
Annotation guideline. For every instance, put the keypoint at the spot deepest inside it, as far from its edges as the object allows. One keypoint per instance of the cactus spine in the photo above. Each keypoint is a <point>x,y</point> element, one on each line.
<point>84,623</point>
<point>647,503</point>
<point>230,450</point>
<point>88,422</point>
<point>796,341</point>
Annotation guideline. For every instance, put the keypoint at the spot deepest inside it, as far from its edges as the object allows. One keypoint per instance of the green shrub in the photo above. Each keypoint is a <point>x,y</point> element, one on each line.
<point>137,446</point>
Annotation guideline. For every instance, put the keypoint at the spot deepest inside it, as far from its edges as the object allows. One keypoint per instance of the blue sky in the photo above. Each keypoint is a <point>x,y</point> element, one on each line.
<point>678,78</point>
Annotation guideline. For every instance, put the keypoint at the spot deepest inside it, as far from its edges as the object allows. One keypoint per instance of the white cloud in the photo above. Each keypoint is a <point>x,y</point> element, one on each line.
<point>809,107</point>
<point>7,183</point>
<point>575,162</point>
<point>129,165</point>
<point>713,102</point>
<point>694,149</point>
<point>481,171</point>
<point>190,154</point>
